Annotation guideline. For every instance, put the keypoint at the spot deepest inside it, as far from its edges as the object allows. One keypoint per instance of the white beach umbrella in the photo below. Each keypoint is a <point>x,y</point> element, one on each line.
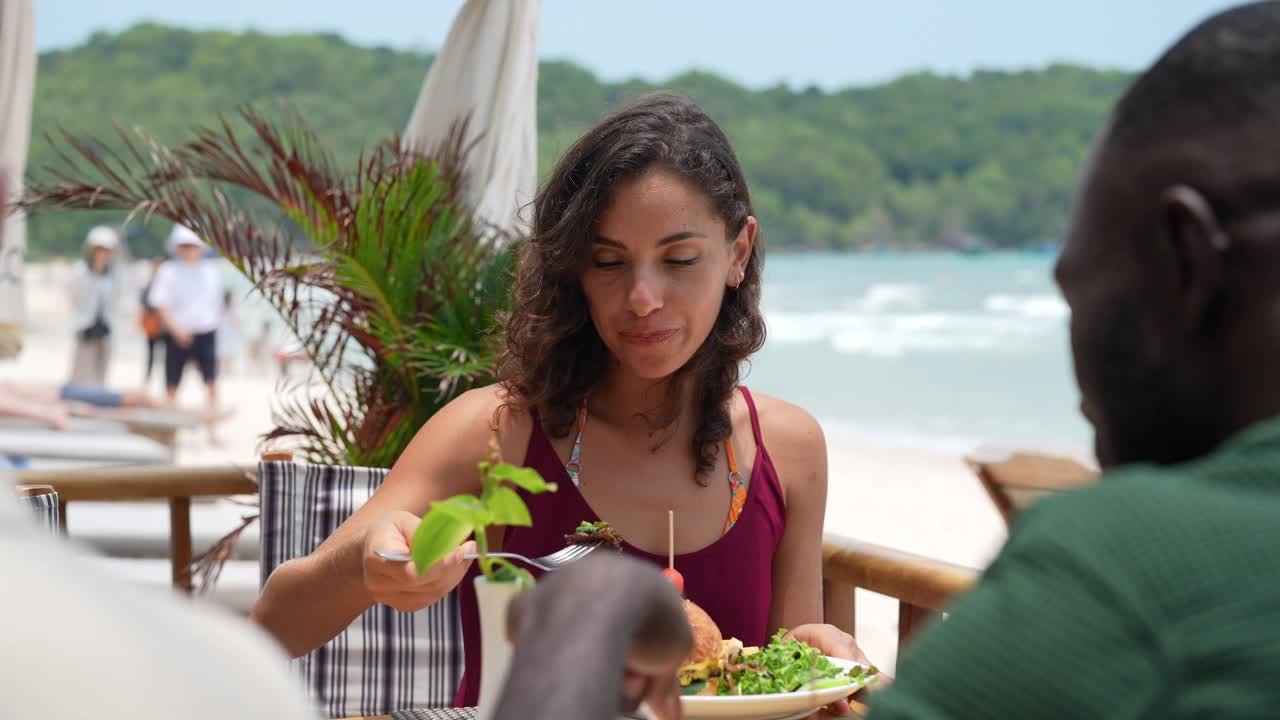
<point>17,84</point>
<point>487,72</point>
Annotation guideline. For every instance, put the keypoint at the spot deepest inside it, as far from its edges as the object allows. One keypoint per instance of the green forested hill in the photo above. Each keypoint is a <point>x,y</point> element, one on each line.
<point>923,161</point>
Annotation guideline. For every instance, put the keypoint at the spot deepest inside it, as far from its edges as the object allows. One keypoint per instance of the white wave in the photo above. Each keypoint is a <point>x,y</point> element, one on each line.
<point>883,297</point>
<point>933,332</point>
<point>803,327</point>
<point>943,434</point>
<point>875,433</point>
<point>1044,306</point>
<point>894,335</point>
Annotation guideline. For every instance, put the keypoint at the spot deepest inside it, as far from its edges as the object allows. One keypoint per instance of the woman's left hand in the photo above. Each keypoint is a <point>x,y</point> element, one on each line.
<point>832,642</point>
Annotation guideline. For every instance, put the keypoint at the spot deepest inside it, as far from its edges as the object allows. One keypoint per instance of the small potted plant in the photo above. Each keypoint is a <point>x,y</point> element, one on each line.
<point>448,523</point>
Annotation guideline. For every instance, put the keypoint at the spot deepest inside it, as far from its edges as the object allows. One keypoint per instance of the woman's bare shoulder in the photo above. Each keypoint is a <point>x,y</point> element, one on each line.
<point>786,424</point>
<point>480,415</point>
<point>794,439</point>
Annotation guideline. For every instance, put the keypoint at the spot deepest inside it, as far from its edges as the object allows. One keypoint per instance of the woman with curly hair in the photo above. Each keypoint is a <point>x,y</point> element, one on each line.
<point>637,299</point>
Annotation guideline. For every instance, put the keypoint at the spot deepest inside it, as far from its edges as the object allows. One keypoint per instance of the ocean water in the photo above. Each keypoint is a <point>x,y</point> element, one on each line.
<point>936,350</point>
<point>944,351</point>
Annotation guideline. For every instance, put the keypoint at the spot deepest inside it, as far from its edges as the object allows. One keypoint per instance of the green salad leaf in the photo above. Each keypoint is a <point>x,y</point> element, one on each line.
<point>694,687</point>
<point>784,666</point>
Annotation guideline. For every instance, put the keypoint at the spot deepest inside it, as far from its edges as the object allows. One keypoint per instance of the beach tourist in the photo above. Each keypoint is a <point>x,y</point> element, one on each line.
<point>260,347</point>
<point>230,337</point>
<point>1156,592</point>
<point>150,321</point>
<point>95,288</point>
<point>121,650</point>
<point>635,303</point>
<point>188,294</point>
<point>55,404</point>
<point>38,404</point>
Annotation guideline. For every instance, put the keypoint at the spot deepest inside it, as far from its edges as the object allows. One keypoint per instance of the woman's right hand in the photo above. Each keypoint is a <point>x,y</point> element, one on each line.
<point>398,584</point>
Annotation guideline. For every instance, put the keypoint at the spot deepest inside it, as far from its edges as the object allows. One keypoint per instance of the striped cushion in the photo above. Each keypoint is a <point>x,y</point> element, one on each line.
<point>438,714</point>
<point>385,660</point>
<point>45,507</point>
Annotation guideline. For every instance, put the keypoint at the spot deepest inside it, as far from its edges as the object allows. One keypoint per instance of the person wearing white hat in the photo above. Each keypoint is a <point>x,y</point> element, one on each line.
<point>95,292</point>
<point>80,641</point>
<point>187,292</point>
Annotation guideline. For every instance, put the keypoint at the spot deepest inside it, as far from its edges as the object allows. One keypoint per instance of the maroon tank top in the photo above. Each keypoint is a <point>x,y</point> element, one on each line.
<point>732,579</point>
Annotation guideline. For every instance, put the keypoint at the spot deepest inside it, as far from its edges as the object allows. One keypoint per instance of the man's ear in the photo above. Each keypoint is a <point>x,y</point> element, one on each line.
<point>1192,240</point>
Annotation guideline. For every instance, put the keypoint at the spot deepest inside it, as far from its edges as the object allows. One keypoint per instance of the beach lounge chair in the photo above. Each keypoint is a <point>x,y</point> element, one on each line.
<point>159,424</point>
<point>88,446</point>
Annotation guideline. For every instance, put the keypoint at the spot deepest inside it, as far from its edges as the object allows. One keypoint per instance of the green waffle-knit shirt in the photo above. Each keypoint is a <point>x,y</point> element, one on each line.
<point>1153,594</point>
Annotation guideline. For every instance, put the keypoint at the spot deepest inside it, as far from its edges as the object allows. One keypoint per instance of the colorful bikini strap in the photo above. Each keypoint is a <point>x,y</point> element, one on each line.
<point>737,488</point>
<point>574,466</point>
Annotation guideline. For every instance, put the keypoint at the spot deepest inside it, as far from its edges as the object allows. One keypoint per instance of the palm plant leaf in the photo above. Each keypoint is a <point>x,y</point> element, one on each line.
<point>396,303</point>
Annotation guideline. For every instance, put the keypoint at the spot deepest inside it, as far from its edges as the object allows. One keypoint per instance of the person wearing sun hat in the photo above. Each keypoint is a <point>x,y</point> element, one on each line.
<point>187,293</point>
<point>95,289</point>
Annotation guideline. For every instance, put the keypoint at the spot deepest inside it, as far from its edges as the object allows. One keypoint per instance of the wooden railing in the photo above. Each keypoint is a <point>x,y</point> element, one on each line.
<point>177,485</point>
<point>1015,479</point>
<point>922,585</point>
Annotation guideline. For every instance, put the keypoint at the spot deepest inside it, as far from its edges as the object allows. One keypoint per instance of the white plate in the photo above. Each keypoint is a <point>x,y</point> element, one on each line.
<point>781,706</point>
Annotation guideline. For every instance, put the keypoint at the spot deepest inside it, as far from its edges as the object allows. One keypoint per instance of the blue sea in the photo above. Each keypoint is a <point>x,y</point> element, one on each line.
<point>942,351</point>
<point>936,350</point>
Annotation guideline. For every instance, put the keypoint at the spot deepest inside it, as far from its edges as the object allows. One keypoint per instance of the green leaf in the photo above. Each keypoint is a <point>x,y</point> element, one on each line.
<point>507,508</point>
<point>465,508</point>
<point>694,687</point>
<point>783,666</point>
<point>526,479</point>
<point>509,572</point>
<point>833,682</point>
<point>437,535</point>
<point>504,573</point>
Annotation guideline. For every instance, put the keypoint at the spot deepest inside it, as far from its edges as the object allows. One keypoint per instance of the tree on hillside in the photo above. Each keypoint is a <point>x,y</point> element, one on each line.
<point>919,161</point>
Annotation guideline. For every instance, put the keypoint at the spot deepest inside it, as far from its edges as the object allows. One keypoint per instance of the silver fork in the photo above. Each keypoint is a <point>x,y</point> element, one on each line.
<point>554,561</point>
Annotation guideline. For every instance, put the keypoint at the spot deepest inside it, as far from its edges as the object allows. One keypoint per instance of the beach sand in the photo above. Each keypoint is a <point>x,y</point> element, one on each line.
<point>921,501</point>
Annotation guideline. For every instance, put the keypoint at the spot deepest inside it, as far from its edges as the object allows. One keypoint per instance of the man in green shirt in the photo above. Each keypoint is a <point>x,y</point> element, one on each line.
<point>1155,593</point>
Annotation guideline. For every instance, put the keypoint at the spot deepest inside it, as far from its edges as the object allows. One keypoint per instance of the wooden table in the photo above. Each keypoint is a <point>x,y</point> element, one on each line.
<point>174,484</point>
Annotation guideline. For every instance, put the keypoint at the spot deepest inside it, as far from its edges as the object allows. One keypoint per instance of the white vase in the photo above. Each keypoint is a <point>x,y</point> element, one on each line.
<point>492,600</point>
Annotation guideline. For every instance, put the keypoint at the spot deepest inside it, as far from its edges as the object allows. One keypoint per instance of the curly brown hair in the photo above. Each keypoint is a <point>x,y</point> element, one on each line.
<point>554,356</point>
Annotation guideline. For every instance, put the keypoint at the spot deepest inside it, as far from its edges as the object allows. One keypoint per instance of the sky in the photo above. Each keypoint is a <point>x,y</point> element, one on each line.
<point>757,43</point>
